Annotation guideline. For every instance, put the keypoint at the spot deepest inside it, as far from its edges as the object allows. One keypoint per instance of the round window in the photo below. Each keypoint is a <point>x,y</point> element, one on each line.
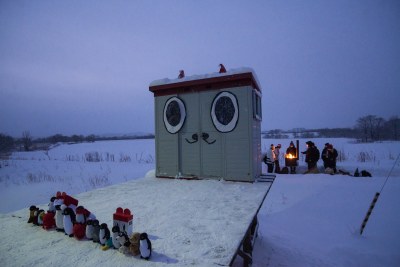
<point>225,112</point>
<point>174,114</point>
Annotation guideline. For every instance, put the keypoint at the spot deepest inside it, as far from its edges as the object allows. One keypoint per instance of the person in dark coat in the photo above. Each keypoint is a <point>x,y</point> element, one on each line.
<point>324,155</point>
<point>312,157</point>
<point>291,158</point>
<point>332,155</point>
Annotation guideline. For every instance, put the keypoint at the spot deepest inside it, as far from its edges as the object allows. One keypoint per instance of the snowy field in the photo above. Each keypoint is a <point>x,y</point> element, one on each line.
<point>306,220</point>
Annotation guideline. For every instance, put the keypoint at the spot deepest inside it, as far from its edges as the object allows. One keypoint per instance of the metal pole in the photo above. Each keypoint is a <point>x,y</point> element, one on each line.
<point>371,207</point>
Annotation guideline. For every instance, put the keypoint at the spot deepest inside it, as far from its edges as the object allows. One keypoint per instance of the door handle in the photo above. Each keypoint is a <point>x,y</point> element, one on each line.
<point>205,136</point>
<point>195,138</point>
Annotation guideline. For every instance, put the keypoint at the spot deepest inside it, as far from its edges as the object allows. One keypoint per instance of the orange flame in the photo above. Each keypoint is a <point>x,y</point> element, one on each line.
<point>290,156</point>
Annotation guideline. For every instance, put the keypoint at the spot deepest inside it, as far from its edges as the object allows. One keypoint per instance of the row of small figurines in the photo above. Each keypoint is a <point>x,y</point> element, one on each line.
<point>80,223</point>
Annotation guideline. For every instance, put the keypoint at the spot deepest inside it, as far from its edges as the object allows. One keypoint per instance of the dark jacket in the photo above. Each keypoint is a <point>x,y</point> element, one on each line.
<point>332,154</point>
<point>324,154</point>
<point>312,154</point>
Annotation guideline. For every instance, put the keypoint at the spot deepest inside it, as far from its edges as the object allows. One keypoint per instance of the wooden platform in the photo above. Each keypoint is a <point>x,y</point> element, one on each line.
<point>200,223</point>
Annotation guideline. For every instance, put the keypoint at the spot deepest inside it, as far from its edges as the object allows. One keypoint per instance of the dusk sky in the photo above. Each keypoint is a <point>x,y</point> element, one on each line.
<point>84,67</point>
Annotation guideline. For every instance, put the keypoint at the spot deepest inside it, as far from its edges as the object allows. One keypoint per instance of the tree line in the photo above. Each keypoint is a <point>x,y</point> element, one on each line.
<point>26,142</point>
<point>370,128</point>
<point>374,128</point>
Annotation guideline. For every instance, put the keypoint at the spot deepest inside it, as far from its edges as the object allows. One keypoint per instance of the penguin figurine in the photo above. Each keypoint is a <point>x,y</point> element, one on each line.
<point>80,214</point>
<point>123,239</point>
<point>68,221</point>
<point>48,220</point>
<point>59,216</point>
<point>51,204</point>
<point>96,231</point>
<point>79,230</point>
<point>32,210</point>
<point>83,215</point>
<point>40,217</point>
<point>145,246</point>
<point>135,244</point>
<point>89,229</point>
<point>115,232</point>
<point>102,233</point>
<point>105,237</point>
<point>36,217</point>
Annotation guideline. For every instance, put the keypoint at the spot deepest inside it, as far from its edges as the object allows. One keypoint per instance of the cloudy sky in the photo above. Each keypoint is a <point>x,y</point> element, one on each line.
<point>83,67</point>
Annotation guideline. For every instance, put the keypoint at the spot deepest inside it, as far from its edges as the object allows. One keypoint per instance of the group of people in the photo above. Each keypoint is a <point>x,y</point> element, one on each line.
<point>312,155</point>
<point>271,158</point>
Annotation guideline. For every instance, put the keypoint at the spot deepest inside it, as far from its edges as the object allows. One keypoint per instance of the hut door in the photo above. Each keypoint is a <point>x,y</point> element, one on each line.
<point>200,144</point>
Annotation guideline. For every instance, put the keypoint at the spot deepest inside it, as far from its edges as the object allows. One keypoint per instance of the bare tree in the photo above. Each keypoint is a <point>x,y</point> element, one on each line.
<point>393,127</point>
<point>378,127</point>
<point>362,125</point>
<point>370,127</point>
<point>27,140</point>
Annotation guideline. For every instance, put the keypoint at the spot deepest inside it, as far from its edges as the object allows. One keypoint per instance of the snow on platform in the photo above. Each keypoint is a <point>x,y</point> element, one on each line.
<point>199,223</point>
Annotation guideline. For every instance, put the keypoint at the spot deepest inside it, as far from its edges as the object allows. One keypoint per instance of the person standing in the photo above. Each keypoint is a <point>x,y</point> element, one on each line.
<point>291,158</point>
<point>324,155</point>
<point>312,157</point>
<point>268,159</point>
<point>276,158</point>
<point>332,156</point>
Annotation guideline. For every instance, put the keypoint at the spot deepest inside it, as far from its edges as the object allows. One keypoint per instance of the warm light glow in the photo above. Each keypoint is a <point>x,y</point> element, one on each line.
<point>290,156</point>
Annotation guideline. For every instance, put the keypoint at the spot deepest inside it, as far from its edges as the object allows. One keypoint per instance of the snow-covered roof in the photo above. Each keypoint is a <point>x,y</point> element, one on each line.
<point>207,77</point>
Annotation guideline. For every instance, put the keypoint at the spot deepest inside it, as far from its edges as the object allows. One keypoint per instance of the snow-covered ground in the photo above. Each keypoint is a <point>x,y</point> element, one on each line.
<point>32,177</point>
<point>306,220</point>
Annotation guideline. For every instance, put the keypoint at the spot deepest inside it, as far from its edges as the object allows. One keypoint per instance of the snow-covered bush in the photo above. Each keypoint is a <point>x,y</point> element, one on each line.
<point>124,158</point>
<point>144,159</point>
<point>366,157</point>
<point>93,157</point>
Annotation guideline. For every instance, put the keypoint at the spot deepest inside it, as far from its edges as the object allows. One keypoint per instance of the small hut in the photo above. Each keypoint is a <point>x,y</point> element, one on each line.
<point>208,126</point>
